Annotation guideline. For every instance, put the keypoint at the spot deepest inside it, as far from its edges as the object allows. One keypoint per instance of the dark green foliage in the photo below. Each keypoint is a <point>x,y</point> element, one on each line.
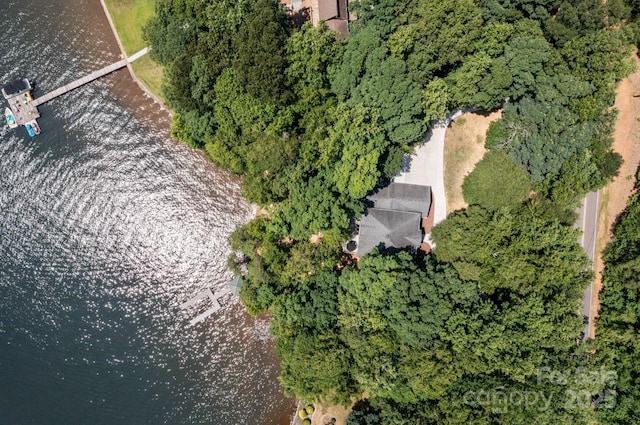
<point>363,414</point>
<point>259,47</point>
<point>368,75</point>
<point>496,182</point>
<point>313,206</point>
<point>576,18</point>
<point>541,136</point>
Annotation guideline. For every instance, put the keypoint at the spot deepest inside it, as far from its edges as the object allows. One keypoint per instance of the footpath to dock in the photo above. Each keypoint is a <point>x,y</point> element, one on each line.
<point>89,78</point>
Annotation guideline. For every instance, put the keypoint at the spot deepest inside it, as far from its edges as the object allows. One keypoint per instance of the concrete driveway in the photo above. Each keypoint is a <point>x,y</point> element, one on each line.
<point>426,167</point>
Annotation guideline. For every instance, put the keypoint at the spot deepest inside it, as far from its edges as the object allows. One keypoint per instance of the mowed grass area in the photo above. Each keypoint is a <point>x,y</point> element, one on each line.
<point>129,16</point>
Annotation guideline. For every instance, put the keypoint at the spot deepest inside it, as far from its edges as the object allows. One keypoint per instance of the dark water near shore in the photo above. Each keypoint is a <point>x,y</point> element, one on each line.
<point>106,226</point>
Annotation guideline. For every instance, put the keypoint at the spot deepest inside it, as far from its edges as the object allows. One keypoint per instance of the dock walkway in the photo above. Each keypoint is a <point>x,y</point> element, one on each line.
<point>207,293</point>
<point>88,78</point>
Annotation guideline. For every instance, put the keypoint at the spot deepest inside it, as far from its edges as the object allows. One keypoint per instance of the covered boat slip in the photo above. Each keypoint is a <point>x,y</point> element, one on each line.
<point>16,88</point>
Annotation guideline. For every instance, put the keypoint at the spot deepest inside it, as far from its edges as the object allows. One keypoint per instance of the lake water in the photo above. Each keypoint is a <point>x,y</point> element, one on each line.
<point>106,226</point>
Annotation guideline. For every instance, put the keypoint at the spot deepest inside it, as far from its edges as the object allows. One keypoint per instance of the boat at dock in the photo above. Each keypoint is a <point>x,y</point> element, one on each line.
<point>30,130</point>
<point>34,127</point>
<point>11,119</point>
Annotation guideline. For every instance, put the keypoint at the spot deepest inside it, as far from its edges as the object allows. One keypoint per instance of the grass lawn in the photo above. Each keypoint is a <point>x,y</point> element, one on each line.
<point>129,16</point>
<point>150,73</point>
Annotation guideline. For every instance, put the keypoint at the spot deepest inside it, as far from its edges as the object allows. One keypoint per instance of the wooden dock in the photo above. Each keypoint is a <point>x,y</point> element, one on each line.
<point>23,109</point>
<point>207,293</point>
<point>88,78</point>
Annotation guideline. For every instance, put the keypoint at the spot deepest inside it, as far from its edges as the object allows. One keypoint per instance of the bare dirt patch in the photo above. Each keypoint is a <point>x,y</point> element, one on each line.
<point>614,197</point>
<point>463,148</point>
<point>261,213</point>
<point>324,413</point>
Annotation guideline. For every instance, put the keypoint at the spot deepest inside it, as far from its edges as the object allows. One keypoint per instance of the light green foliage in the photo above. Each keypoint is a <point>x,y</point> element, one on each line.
<point>600,57</point>
<point>436,100</point>
<point>385,15</point>
<point>494,38</point>
<point>266,180</point>
<point>358,140</point>
<point>510,249</point>
<point>313,206</point>
<point>436,27</point>
<point>496,182</point>
<point>619,318</point>
<point>579,175</point>
<point>480,82</point>
<point>312,51</point>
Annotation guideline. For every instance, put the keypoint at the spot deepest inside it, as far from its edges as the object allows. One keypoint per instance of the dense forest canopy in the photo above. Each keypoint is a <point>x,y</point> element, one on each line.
<point>314,123</point>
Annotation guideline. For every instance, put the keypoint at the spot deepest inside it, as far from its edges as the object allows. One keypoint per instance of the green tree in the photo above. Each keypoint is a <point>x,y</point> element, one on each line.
<point>541,136</point>
<point>496,182</point>
<point>436,100</point>
<point>435,27</point>
<point>260,52</point>
<point>511,249</point>
<point>619,318</point>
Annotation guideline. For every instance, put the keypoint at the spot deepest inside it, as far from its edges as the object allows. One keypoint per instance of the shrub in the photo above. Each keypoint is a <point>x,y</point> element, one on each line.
<point>496,182</point>
<point>310,409</point>
<point>302,413</point>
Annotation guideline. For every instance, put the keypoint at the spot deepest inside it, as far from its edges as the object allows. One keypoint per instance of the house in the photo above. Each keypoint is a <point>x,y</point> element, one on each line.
<point>396,219</point>
<point>334,12</point>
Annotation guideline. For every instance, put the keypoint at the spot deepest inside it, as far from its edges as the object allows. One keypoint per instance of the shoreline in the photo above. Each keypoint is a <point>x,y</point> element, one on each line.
<point>255,210</point>
<point>123,53</point>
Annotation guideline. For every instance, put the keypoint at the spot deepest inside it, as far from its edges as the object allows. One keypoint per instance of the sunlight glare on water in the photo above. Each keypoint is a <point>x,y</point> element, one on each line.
<point>106,226</point>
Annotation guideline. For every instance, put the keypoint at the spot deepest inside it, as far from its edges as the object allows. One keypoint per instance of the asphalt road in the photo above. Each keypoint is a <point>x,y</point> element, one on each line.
<point>587,222</point>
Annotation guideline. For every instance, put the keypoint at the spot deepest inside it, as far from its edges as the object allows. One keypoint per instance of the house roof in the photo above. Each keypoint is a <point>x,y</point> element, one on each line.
<point>392,228</point>
<point>328,9</point>
<point>403,197</point>
<point>341,26</point>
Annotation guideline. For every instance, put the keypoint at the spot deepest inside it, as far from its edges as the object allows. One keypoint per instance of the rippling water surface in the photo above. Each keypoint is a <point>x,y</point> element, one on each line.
<point>106,226</point>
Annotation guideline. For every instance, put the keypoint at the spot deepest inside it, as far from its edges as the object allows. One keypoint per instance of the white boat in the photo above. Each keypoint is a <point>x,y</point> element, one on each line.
<point>11,120</point>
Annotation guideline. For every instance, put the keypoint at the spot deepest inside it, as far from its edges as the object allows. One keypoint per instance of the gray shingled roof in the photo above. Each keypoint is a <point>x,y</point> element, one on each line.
<point>15,88</point>
<point>403,197</point>
<point>394,229</point>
